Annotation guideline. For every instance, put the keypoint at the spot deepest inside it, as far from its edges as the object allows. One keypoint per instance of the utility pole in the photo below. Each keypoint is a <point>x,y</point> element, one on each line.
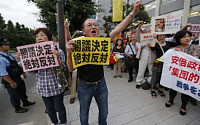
<point>60,14</point>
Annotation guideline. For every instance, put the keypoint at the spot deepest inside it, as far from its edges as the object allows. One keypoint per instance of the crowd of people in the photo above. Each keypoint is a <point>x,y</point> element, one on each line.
<point>148,69</point>
<point>137,59</point>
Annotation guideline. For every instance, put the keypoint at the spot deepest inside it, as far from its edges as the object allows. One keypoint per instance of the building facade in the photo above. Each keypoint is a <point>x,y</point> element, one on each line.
<point>189,9</point>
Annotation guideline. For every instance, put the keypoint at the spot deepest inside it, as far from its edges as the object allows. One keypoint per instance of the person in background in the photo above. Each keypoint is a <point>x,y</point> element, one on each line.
<point>183,39</point>
<point>160,47</point>
<point>131,52</point>
<point>195,40</point>
<point>11,73</point>
<point>91,77</point>
<point>146,59</point>
<point>118,49</point>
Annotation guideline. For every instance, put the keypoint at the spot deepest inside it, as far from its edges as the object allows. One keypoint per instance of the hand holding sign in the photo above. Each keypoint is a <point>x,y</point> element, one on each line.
<point>70,46</point>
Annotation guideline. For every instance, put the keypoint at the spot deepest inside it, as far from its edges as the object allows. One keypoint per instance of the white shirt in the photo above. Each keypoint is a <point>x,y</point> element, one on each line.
<point>128,49</point>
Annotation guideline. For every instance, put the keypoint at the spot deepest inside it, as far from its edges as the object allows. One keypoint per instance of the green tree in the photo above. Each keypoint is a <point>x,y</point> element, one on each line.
<point>2,26</point>
<point>75,10</point>
<point>11,34</point>
<point>17,34</point>
<point>141,16</point>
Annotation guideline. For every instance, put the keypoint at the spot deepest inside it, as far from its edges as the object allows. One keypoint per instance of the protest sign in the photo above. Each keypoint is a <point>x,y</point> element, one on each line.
<point>181,73</point>
<point>168,24</point>
<point>194,29</point>
<point>146,38</point>
<point>91,50</point>
<point>37,56</point>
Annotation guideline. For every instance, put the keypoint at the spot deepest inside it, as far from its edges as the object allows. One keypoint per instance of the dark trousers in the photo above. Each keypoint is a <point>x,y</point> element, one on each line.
<point>184,98</point>
<point>53,104</point>
<point>130,70</point>
<point>18,93</point>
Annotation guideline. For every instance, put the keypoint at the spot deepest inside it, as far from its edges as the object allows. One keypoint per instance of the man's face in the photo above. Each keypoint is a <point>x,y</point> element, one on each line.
<point>5,48</point>
<point>91,28</point>
<point>148,30</point>
<point>41,37</point>
<point>133,37</point>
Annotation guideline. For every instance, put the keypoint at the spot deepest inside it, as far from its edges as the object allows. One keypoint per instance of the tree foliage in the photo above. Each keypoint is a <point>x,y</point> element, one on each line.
<point>141,16</point>
<point>75,10</point>
<point>17,34</point>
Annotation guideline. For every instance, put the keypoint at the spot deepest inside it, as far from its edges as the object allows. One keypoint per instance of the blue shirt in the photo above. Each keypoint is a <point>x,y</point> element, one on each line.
<point>4,63</point>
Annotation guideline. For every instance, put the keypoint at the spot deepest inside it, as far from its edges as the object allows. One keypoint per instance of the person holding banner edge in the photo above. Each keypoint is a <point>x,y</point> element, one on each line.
<point>160,46</point>
<point>183,39</point>
<point>91,77</point>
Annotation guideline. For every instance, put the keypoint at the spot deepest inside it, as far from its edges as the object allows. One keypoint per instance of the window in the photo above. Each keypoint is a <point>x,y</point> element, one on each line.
<point>195,11</point>
<point>178,12</point>
<point>167,1</point>
<point>150,6</point>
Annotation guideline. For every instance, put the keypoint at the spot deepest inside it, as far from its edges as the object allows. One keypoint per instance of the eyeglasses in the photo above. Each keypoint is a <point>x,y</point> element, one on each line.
<point>89,25</point>
<point>43,35</point>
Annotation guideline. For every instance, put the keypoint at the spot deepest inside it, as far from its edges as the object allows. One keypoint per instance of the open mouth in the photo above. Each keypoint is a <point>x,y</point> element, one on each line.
<point>93,31</point>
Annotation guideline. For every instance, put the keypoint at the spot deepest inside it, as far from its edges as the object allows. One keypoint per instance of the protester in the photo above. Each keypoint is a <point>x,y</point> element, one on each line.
<point>112,45</point>
<point>118,49</point>
<point>11,73</point>
<point>146,59</point>
<point>74,73</point>
<point>131,52</point>
<point>183,39</point>
<point>195,40</point>
<point>47,82</point>
<point>160,47</point>
<point>91,77</point>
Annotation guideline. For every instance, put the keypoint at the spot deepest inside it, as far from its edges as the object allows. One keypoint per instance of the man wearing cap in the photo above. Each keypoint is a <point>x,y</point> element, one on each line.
<point>10,72</point>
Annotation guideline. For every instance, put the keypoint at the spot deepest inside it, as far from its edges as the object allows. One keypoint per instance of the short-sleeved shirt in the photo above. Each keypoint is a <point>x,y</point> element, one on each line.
<point>91,73</point>
<point>128,49</point>
<point>4,63</point>
<point>46,79</point>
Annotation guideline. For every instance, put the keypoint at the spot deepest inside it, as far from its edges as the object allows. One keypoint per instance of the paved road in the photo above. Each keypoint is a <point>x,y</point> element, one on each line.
<point>35,115</point>
<point>131,106</point>
<point>127,106</point>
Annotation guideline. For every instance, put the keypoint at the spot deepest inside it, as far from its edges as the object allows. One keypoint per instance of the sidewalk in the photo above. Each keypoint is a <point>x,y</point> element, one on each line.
<point>131,106</point>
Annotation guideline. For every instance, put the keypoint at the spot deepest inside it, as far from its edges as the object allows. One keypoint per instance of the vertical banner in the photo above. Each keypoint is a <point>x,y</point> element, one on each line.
<point>117,10</point>
<point>181,72</point>
<point>37,56</point>
<point>91,50</point>
<point>168,24</point>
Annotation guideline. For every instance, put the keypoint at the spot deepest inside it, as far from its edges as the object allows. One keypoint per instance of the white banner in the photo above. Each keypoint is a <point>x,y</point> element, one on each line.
<point>146,38</point>
<point>168,24</point>
<point>181,72</point>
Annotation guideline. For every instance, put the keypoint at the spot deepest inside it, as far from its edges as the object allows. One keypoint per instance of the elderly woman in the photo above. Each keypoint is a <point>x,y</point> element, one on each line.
<point>183,39</point>
<point>118,49</point>
<point>47,82</point>
<point>160,47</point>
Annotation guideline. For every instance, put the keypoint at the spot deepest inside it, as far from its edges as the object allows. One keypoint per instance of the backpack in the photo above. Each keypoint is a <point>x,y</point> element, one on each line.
<point>146,86</point>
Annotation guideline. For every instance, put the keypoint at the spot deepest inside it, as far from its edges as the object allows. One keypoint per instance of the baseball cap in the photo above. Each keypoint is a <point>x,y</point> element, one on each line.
<point>3,41</point>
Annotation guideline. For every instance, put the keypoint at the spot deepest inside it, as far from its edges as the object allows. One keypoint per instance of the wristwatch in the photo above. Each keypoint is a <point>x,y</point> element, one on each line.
<point>132,14</point>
